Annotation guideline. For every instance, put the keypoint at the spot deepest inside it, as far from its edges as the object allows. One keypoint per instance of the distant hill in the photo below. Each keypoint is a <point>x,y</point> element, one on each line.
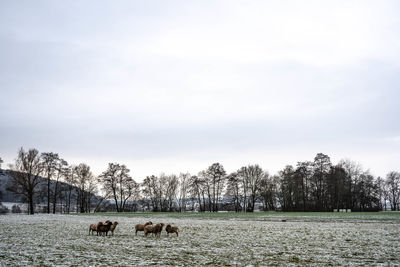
<point>6,195</point>
<point>9,196</point>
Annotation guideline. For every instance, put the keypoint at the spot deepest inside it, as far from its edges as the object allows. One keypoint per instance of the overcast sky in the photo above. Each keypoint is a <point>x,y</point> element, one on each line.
<point>174,86</point>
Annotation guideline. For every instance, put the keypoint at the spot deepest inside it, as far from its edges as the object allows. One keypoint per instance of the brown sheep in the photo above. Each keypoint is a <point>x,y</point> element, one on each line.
<point>112,228</point>
<point>172,229</point>
<point>140,227</point>
<point>148,229</point>
<point>154,229</point>
<point>104,228</point>
<point>93,227</point>
<point>157,229</point>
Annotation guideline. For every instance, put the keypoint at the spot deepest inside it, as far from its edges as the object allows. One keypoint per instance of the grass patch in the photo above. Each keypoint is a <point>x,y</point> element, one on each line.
<point>211,238</point>
<point>265,216</point>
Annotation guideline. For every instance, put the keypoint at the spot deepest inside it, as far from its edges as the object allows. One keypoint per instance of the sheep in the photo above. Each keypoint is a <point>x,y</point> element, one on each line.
<point>93,227</point>
<point>154,229</point>
<point>172,229</point>
<point>112,228</point>
<point>140,227</point>
<point>148,229</point>
<point>157,229</point>
<point>104,228</point>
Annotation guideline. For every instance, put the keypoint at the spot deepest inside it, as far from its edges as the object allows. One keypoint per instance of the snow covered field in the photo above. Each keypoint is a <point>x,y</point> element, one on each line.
<point>63,240</point>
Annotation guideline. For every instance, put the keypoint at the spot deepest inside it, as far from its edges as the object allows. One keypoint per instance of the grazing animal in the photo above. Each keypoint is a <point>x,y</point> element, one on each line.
<point>140,227</point>
<point>148,229</point>
<point>157,229</point>
<point>104,228</point>
<point>154,229</point>
<point>93,227</point>
<point>172,229</point>
<point>112,228</point>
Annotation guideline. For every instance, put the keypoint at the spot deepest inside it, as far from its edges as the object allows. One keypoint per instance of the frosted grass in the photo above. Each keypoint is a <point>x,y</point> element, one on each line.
<point>63,240</point>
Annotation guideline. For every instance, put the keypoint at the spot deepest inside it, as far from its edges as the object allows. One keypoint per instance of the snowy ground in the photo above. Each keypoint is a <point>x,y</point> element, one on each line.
<point>63,240</point>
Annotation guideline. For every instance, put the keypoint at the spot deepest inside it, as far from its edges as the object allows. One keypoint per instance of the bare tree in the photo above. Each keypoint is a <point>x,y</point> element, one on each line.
<point>368,196</point>
<point>132,191</point>
<point>354,171</point>
<point>161,190</point>
<point>269,191</point>
<point>252,176</point>
<point>215,175</point>
<point>25,175</point>
<point>171,187</point>
<point>118,183</point>
<point>245,187</point>
<point>393,186</point>
<point>380,184</point>
<point>149,188</point>
<point>84,182</point>
<point>61,170</point>
<point>234,190</point>
<point>303,174</point>
<point>206,190</point>
<point>197,191</point>
<point>1,161</point>
<point>184,183</point>
<point>287,186</point>
<point>125,186</point>
<point>386,194</point>
<point>336,188</point>
<point>50,165</point>
<point>109,180</point>
<point>90,192</point>
<point>71,181</point>
<point>322,165</point>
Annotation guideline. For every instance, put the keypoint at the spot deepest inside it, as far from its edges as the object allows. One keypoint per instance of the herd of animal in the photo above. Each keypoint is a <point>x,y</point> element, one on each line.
<point>148,228</point>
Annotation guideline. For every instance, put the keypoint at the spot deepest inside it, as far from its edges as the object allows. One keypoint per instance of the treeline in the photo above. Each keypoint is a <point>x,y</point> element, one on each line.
<point>316,185</point>
<point>36,176</point>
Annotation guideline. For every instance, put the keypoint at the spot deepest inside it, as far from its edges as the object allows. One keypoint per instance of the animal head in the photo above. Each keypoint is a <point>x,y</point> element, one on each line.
<point>148,223</point>
<point>115,223</point>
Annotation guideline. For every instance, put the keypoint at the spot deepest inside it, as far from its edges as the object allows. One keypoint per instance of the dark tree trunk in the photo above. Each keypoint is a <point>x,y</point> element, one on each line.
<point>253,202</point>
<point>55,197</point>
<point>204,203</point>
<point>48,194</point>
<point>199,200</point>
<point>69,201</point>
<point>31,206</point>
<point>116,200</point>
